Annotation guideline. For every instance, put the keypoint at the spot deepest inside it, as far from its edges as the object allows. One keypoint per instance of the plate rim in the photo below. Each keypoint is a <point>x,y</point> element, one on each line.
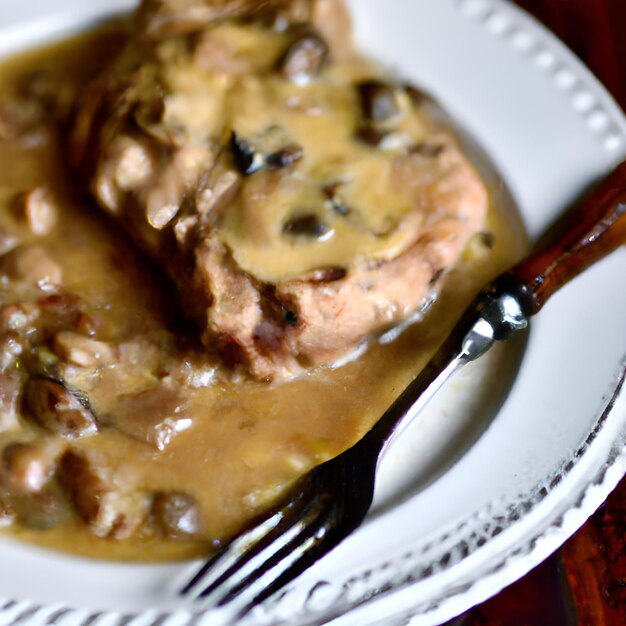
<point>515,562</point>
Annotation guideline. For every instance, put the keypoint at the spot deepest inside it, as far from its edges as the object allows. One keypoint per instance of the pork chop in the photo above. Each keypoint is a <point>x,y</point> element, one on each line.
<point>301,200</point>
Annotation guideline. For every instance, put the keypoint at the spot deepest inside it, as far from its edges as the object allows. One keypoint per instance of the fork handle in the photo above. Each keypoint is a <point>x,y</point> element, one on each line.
<point>590,231</point>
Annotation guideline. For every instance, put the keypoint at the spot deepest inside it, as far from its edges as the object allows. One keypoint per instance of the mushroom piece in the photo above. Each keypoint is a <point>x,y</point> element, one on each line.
<point>27,467</point>
<point>10,390</point>
<point>7,514</point>
<point>32,265</point>
<point>40,510</point>
<point>82,351</point>
<point>307,225</point>
<point>59,311</point>
<point>304,58</point>
<point>334,199</point>
<point>8,241</point>
<point>247,160</point>
<point>265,152</point>
<point>56,409</point>
<point>285,157</point>
<point>379,101</point>
<point>19,317</point>
<point>371,136</point>
<point>11,347</point>
<point>177,515</point>
<point>39,210</point>
<point>41,362</point>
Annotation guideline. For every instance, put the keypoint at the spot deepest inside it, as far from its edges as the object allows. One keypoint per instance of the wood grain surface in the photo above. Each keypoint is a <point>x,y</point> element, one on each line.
<point>594,30</point>
<point>585,583</point>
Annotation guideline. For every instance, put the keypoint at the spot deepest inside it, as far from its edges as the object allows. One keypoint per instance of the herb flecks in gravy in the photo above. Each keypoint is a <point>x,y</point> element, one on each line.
<point>121,436</point>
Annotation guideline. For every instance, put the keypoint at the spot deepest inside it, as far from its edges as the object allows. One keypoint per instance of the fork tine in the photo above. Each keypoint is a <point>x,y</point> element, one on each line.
<point>255,591</point>
<point>256,557</point>
<point>319,539</point>
<point>226,558</point>
<point>293,544</point>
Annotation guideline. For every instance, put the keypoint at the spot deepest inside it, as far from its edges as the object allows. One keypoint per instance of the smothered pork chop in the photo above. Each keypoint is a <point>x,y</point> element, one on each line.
<point>301,201</point>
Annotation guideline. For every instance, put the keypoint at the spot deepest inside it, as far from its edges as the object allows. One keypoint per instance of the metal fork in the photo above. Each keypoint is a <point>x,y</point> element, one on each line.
<point>334,498</point>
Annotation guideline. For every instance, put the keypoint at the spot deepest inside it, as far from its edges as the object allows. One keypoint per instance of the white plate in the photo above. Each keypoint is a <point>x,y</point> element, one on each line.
<point>556,448</point>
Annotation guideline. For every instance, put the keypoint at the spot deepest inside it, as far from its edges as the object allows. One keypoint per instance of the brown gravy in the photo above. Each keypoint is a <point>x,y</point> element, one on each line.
<point>240,443</point>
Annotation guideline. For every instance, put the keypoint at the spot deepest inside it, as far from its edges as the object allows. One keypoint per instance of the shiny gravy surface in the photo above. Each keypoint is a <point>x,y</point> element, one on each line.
<point>171,420</point>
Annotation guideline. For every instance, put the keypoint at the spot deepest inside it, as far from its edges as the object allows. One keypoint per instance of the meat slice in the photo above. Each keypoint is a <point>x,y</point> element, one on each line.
<point>300,205</point>
<point>108,505</point>
<point>155,416</point>
<point>29,495</point>
<point>39,510</point>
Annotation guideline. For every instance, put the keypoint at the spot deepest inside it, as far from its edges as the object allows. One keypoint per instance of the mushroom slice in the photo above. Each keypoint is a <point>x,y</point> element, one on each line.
<point>306,225</point>
<point>177,515</point>
<point>270,150</point>
<point>27,467</point>
<point>304,59</point>
<point>7,514</point>
<point>32,265</point>
<point>82,351</point>
<point>40,510</point>
<point>40,211</point>
<point>379,101</point>
<point>10,390</point>
<point>58,410</point>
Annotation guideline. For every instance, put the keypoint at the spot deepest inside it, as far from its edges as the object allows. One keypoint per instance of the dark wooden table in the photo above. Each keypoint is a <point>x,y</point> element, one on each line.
<point>584,584</point>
